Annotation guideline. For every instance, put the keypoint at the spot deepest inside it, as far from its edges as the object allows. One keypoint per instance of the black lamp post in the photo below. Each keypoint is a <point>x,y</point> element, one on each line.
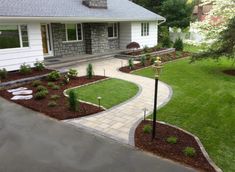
<point>157,68</point>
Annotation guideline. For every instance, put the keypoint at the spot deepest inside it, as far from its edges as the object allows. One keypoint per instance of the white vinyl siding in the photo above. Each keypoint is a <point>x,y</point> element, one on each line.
<point>11,59</point>
<point>131,32</point>
<point>125,34</point>
<point>148,40</point>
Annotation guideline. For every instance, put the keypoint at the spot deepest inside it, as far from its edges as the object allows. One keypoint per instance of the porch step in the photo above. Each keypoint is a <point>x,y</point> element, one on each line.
<point>62,62</point>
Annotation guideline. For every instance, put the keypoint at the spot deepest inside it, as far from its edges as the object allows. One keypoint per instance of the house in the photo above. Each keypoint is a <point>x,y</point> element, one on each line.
<point>33,30</point>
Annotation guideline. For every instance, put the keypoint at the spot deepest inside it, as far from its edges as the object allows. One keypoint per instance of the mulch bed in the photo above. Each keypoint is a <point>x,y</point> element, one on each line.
<point>229,72</point>
<point>61,111</point>
<point>15,75</point>
<point>164,58</point>
<point>160,147</point>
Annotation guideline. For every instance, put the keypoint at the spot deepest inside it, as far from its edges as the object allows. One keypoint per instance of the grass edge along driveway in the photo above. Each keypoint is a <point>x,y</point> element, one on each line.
<point>113,92</point>
<point>203,103</point>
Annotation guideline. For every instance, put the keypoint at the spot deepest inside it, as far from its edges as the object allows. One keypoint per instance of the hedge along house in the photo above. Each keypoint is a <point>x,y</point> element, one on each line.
<point>34,30</point>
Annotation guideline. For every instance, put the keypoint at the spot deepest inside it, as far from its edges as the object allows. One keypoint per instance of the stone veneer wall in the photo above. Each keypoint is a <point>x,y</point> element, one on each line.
<point>65,48</point>
<point>114,44</point>
<point>95,40</point>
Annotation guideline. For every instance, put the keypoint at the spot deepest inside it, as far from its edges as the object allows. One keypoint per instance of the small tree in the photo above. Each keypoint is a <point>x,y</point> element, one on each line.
<point>73,101</point>
<point>224,46</point>
<point>131,63</point>
<point>178,45</point>
<point>89,71</point>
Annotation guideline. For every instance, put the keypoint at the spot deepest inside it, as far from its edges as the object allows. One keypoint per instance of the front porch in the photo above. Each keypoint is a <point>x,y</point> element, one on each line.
<point>81,39</point>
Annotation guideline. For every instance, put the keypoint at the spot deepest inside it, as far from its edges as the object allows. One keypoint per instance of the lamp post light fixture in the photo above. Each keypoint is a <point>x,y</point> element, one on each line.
<point>157,66</point>
<point>99,99</point>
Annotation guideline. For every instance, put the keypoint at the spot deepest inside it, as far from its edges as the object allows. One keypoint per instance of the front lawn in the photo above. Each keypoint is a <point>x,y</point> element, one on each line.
<point>203,103</point>
<point>112,91</point>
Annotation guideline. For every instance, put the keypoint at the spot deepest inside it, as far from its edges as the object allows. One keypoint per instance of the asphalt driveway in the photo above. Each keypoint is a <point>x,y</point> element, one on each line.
<point>31,142</point>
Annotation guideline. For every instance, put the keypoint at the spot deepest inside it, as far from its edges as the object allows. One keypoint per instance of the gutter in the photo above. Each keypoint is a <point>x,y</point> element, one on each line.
<point>164,20</point>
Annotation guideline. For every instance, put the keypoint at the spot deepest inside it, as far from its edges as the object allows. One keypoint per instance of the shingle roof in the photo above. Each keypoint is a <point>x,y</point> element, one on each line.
<point>117,10</point>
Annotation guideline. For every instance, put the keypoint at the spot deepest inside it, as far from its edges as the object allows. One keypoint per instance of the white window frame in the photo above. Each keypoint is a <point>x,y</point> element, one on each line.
<point>145,29</point>
<point>113,25</point>
<point>20,35</point>
<point>66,32</point>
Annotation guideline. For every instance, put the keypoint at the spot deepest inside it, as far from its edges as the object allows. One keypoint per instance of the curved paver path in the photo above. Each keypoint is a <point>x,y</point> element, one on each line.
<point>118,122</point>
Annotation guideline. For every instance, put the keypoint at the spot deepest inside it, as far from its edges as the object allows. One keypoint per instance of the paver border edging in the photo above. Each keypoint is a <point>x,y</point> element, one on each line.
<point>125,102</point>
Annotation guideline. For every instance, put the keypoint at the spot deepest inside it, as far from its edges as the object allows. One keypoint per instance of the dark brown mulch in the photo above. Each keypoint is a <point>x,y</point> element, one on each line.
<point>230,72</point>
<point>164,58</point>
<point>15,75</point>
<point>61,111</point>
<point>160,147</point>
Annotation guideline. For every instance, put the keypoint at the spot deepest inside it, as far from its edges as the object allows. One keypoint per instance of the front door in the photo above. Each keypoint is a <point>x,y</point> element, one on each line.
<point>46,40</point>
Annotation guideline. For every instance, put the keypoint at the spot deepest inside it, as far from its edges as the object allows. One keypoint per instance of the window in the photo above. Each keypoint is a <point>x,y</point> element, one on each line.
<point>144,29</point>
<point>13,36</point>
<point>112,30</point>
<point>74,32</point>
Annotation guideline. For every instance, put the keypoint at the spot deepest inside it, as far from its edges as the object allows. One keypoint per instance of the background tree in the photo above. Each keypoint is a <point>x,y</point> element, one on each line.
<point>177,13</point>
<point>223,46</point>
<point>217,19</point>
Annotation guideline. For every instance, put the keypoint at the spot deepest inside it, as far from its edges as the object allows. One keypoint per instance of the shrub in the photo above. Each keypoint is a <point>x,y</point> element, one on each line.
<point>72,73</point>
<point>131,63</point>
<point>152,60</point>
<point>148,56</point>
<point>50,84</point>
<point>189,151</point>
<point>146,49</point>
<point>147,129</point>
<point>73,101</point>
<point>41,88</point>
<point>54,76</point>
<point>39,66</point>
<point>178,45</point>
<point>172,140</point>
<point>89,71</point>
<point>133,45</point>
<point>25,69</point>
<point>55,87</point>
<point>158,46</point>
<point>36,83</point>
<point>3,73</point>
<point>66,79</point>
<point>143,60</point>
<point>55,97</point>
<point>52,104</point>
<point>41,95</point>
<point>164,36</point>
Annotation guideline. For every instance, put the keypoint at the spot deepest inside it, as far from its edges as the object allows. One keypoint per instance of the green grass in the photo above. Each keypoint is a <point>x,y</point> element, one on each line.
<point>112,91</point>
<point>203,103</point>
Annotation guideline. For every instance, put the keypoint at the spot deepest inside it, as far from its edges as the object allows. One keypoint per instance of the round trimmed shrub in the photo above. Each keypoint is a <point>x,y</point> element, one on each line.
<point>41,95</point>
<point>54,76</point>
<point>41,88</point>
<point>189,151</point>
<point>172,140</point>
<point>147,129</point>
<point>36,83</point>
<point>52,104</point>
<point>55,97</point>
<point>55,87</point>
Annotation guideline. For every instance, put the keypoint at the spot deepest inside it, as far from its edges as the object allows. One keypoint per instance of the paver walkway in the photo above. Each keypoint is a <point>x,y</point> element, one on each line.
<point>118,122</point>
<point>32,142</point>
